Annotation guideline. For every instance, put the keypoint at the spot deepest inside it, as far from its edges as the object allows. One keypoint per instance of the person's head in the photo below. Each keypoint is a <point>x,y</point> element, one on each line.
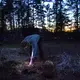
<point>24,44</point>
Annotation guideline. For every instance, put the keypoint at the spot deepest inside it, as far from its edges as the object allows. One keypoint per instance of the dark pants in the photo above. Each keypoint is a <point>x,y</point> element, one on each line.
<point>41,54</point>
<point>1,38</point>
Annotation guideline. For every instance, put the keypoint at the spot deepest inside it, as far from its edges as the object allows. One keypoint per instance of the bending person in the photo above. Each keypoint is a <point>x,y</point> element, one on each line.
<point>35,41</point>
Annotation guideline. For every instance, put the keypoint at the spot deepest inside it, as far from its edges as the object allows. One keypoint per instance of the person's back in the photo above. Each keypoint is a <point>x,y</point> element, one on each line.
<point>34,40</point>
<point>31,38</point>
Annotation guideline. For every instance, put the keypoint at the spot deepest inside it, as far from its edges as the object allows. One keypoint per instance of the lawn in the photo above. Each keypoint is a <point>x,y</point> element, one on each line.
<point>65,55</point>
<point>10,46</point>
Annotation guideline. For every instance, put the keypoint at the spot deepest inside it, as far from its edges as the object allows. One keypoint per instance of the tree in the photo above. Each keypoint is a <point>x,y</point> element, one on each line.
<point>74,7</point>
<point>76,13</point>
<point>61,16</point>
<point>39,14</point>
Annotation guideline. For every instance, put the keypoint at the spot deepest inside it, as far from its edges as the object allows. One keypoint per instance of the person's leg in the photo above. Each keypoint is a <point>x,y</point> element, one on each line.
<point>34,53</point>
<point>35,50</point>
<point>41,54</point>
<point>1,39</point>
<point>30,51</point>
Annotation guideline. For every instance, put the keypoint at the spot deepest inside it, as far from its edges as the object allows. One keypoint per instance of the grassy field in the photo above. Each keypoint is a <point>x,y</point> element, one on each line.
<point>10,46</point>
<point>52,48</point>
<point>66,63</point>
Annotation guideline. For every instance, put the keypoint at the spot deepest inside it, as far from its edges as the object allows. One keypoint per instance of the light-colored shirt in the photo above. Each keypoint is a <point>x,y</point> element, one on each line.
<point>33,40</point>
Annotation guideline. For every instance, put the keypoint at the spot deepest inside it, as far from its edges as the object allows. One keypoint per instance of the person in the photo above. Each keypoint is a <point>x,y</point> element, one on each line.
<point>35,41</point>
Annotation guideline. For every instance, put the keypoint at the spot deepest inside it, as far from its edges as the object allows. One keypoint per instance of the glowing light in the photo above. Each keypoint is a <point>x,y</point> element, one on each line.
<point>50,29</point>
<point>69,28</point>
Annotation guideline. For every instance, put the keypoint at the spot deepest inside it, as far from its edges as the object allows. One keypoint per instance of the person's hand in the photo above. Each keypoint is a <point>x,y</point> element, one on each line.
<point>30,63</point>
<point>25,47</point>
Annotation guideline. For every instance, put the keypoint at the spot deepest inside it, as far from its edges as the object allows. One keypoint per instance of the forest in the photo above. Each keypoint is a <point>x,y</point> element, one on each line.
<point>56,16</point>
<point>58,24</point>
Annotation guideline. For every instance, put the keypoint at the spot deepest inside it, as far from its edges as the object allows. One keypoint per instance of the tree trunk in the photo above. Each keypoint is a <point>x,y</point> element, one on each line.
<point>61,22</point>
<point>77,14</point>
<point>56,15</point>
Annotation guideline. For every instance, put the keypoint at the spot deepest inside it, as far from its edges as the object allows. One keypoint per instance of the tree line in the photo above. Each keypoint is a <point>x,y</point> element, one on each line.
<point>30,13</point>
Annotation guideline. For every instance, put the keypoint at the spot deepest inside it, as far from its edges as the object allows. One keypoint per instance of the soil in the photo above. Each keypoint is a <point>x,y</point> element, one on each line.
<point>65,57</point>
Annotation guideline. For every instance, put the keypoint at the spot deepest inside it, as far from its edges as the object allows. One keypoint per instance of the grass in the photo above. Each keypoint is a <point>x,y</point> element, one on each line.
<point>10,46</point>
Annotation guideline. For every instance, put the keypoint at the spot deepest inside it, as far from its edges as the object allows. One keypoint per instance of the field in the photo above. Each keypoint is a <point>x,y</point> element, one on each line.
<point>65,55</point>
